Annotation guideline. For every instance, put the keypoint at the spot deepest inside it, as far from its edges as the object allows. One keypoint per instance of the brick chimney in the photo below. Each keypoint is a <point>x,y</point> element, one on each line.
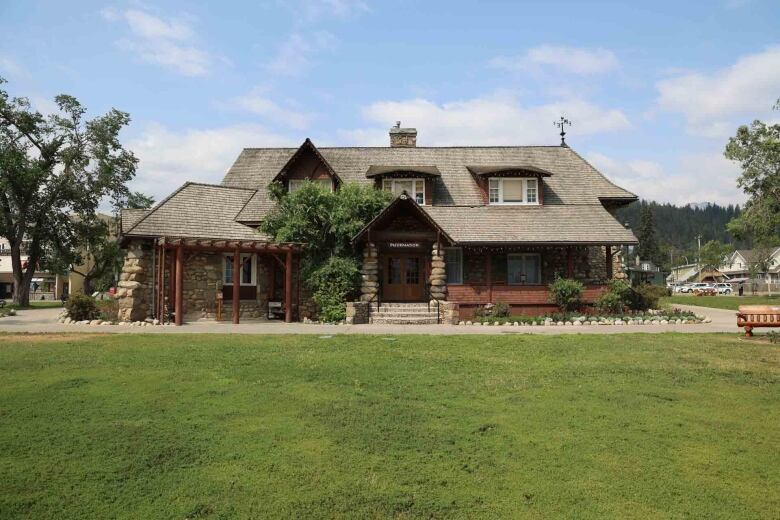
<point>403,137</point>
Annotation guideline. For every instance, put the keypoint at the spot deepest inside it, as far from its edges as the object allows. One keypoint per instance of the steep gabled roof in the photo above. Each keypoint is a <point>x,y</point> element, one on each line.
<point>198,211</point>
<point>306,147</point>
<point>408,203</point>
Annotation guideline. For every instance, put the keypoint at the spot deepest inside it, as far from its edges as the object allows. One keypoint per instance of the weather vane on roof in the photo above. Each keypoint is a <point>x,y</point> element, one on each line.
<point>562,123</point>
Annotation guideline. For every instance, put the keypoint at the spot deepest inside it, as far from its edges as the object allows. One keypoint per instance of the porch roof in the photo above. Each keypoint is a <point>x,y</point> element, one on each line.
<point>575,224</point>
<point>203,211</point>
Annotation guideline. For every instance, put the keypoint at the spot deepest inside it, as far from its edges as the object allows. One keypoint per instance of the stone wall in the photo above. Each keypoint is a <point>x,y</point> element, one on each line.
<point>134,291</point>
<point>357,312</point>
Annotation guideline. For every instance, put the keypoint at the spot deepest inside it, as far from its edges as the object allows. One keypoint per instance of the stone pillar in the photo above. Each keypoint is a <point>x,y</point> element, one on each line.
<point>369,273</point>
<point>438,278</point>
<point>135,282</point>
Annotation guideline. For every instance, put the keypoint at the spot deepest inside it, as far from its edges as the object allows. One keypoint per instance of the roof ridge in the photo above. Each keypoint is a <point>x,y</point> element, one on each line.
<point>211,185</point>
<point>407,148</point>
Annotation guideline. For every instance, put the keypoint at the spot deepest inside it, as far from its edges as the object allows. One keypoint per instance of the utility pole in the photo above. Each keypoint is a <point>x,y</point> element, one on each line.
<point>698,260</point>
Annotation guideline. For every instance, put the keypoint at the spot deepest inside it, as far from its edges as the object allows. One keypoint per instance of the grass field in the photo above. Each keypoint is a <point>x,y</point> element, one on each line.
<point>180,426</point>
<point>720,302</point>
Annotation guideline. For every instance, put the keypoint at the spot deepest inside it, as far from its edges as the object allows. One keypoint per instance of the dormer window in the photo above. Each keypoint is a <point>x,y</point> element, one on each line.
<point>296,184</point>
<point>514,190</point>
<point>414,187</point>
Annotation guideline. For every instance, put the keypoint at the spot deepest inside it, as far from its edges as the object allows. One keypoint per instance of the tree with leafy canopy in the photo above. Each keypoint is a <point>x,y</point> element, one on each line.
<point>648,241</point>
<point>713,254</point>
<point>54,173</point>
<point>326,222</point>
<point>757,150</point>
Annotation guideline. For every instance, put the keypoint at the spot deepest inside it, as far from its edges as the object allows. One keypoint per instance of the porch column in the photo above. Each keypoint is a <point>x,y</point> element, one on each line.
<point>569,263</point>
<point>609,262</point>
<point>370,273</point>
<point>179,306</point>
<point>236,285</point>
<point>171,280</point>
<point>288,267</point>
<point>438,276</point>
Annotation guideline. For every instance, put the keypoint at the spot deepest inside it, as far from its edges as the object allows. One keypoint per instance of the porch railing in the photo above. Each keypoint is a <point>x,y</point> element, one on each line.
<point>376,298</point>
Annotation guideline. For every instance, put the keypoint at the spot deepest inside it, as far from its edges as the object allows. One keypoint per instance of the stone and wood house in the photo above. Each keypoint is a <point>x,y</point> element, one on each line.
<point>469,225</point>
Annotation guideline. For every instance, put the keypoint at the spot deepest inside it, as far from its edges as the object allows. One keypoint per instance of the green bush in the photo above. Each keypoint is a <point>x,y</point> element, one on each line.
<point>109,309</point>
<point>566,294</point>
<point>610,303</point>
<point>646,296</point>
<point>82,307</point>
<point>500,310</point>
<point>332,284</point>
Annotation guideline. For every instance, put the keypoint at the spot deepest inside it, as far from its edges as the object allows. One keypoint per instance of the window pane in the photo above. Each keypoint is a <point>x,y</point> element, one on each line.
<point>532,269</point>
<point>294,184</point>
<point>419,193</point>
<point>228,270</point>
<point>531,190</point>
<point>403,186</point>
<point>513,190</point>
<point>246,270</point>
<point>514,267</point>
<point>453,259</point>
<point>412,271</point>
<point>494,191</point>
<point>325,184</point>
<point>387,184</point>
<point>394,271</point>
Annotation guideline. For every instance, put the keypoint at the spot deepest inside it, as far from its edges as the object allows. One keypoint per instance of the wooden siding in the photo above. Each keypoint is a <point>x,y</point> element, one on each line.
<point>479,294</point>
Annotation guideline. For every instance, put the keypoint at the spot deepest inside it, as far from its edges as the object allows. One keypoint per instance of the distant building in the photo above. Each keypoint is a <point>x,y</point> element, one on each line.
<point>738,264</point>
<point>694,273</point>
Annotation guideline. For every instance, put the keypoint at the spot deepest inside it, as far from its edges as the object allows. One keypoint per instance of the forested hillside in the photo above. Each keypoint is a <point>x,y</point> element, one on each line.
<point>678,226</point>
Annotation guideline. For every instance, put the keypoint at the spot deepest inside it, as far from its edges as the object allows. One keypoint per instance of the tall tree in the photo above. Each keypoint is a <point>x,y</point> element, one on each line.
<point>54,173</point>
<point>757,150</point>
<point>648,241</point>
<point>713,253</point>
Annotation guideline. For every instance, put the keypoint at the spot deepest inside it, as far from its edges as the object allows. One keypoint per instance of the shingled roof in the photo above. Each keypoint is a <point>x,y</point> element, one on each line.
<point>573,180</point>
<point>198,211</point>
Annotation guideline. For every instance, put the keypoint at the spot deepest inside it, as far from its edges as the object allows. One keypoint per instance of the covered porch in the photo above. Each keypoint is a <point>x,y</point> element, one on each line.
<point>193,275</point>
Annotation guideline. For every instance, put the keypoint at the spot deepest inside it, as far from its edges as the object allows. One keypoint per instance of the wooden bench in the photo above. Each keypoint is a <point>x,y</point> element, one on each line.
<point>752,316</point>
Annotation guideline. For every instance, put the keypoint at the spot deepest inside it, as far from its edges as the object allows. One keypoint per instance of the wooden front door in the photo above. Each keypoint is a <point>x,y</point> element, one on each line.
<point>403,278</point>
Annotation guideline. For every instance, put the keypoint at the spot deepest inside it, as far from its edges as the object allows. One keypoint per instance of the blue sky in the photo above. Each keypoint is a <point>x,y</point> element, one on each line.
<point>654,89</point>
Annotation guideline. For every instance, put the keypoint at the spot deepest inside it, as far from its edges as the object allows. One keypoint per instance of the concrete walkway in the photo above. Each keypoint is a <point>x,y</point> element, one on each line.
<point>45,320</point>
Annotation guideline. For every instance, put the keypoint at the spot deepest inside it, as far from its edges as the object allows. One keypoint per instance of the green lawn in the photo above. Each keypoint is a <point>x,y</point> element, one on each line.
<point>721,302</point>
<point>179,426</point>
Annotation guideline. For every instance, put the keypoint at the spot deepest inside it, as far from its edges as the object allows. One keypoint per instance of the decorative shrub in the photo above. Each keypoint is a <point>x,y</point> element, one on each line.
<point>646,296</point>
<point>332,284</point>
<point>566,294</point>
<point>82,307</point>
<point>610,303</point>
<point>500,310</point>
<point>109,309</point>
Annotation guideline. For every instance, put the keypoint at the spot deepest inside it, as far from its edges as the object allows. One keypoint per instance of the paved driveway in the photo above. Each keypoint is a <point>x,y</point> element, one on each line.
<point>45,320</point>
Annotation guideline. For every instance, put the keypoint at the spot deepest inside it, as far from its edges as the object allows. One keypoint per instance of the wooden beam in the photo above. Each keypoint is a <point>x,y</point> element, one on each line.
<point>236,284</point>
<point>288,288</point>
<point>179,284</point>
<point>609,262</point>
<point>569,263</point>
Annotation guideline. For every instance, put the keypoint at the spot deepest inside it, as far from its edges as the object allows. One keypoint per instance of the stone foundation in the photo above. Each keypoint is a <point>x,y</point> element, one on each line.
<point>357,312</point>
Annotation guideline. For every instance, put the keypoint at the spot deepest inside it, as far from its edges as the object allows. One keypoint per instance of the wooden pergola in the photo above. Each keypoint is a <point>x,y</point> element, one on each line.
<point>171,251</point>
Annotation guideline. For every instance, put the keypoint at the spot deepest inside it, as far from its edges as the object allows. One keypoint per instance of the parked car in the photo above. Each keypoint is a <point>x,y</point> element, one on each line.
<point>724,288</point>
<point>686,288</point>
<point>698,287</point>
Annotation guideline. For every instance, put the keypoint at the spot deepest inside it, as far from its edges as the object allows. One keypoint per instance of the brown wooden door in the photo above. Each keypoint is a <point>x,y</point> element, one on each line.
<point>403,278</point>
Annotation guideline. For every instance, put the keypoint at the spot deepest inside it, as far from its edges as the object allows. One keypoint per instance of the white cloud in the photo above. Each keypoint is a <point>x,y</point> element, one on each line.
<point>572,60</point>
<point>695,178</point>
<point>259,103</point>
<point>168,43</point>
<point>714,103</point>
<point>295,54</point>
<point>496,119</point>
<point>168,158</point>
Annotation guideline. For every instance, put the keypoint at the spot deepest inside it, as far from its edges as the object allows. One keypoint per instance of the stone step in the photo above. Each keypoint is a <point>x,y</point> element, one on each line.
<point>391,305</point>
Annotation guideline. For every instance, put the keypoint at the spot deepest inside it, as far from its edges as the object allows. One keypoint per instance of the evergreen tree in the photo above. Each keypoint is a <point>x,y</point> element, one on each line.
<point>648,241</point>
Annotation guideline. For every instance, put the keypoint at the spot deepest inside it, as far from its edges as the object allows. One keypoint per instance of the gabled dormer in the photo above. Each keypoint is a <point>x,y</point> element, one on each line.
<point>519,185</point>
<point>417,181</point>
<point>307,164</point>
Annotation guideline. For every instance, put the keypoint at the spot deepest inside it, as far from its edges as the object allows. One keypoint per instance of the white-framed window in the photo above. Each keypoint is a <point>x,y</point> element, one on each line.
<point>512,190</point>
<point>414,187</point>
<point>453,259</point>
<point>523,268</point>
<point>296,184</point>
<point>248,269</point>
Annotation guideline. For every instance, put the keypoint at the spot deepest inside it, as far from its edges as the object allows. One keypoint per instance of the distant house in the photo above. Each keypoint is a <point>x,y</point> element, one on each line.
<point>694,273</point>
<point>644,271</point>
<point>738,264</point>
<point>469,225</point>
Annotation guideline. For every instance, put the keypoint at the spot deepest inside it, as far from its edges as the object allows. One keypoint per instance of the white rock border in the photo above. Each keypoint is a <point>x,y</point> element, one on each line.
<point>656,318</point>
<point>64,319</point>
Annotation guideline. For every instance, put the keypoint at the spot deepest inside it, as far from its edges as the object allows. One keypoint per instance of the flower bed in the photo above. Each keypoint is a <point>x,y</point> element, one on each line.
<point>651,317</point>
